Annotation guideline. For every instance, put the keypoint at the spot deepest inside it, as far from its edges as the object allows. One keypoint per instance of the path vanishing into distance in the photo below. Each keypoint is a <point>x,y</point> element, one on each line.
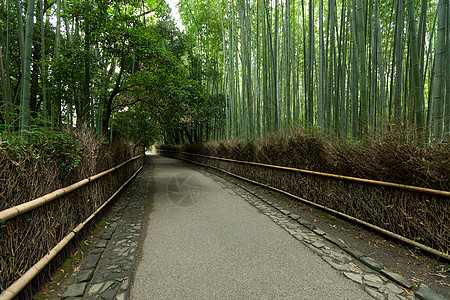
<point>185,233</point>
<point>204,241</point>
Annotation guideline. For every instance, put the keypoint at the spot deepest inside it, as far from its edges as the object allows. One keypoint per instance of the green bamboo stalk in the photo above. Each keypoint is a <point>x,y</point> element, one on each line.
<point>8,91</point>
<point>306,118</point>
<point>421,37</point>
<point>328,82</point>
<point>382,104</point>
<point>398,62</point>
<point>364,101</point>
<point>295,71</point>
<point>43,65</point>
<point>276,69</point>
<point>447,98</point>
<point>225,74</point>
<point>332,70</point>
<point>257,73</point>
<point>20,30</point>
<point>248,60</point>
<point>3,76</point>
<point>288,64</point>
<point>265,70</point>
<point>320,88</point>
<point>419,103</point>
<point>354,76</point>
<point>372,70</point>
<point>343,123</point>
<point>439,77</point>
<point>272,67</point>
<point>25,99</point>
<point>309,71</point>
<point>3,81</point>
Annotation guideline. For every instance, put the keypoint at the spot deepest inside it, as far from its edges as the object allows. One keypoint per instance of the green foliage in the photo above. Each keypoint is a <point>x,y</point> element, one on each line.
<point>351,68</point>
<point>43,146</point>
<point>120,65</point>
<point>170,103</point>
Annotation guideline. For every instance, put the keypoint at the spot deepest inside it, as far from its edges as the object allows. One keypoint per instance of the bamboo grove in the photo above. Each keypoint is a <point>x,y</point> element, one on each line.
<point>238,68</point>
<point>350,68</point>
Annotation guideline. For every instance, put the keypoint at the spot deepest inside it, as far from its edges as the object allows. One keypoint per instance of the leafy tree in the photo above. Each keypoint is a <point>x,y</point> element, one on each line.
<point>95,63</point>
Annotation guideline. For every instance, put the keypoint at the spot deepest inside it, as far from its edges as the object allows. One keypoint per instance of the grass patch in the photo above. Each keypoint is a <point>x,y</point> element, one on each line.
<point>443,267</point>
<point>332,218</point>
<point>69,265</point>
<point>39,296</point>
<point>275,194</point>
<point>103,224</point>
<point>85,245</point>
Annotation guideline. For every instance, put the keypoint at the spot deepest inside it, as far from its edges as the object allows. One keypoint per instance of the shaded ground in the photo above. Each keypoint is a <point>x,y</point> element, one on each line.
<point>204,241</point>
<point>402,259</point>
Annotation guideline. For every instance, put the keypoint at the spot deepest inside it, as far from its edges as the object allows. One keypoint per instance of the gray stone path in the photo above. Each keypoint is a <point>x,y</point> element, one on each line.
<point>331,249</point>
<point>220,247</point>
<point>203,241</point>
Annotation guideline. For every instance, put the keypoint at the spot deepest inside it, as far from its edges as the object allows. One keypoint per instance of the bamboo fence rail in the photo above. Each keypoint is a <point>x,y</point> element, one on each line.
<point>12,212</point>
<point>27,206</point>
<point>335,176</point>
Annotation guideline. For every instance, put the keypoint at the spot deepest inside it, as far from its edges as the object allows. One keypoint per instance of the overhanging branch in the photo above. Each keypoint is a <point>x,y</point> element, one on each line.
<point>151,10</point>
<point>125,104</point>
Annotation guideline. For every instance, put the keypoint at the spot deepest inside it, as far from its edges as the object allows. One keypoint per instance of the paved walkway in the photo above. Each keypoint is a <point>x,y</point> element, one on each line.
<point>208,238</point>
<point>206,242</point>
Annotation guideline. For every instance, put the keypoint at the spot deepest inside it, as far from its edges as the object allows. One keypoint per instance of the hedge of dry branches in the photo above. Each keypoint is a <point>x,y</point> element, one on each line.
<point>391,158</point>
<point>48,163</point>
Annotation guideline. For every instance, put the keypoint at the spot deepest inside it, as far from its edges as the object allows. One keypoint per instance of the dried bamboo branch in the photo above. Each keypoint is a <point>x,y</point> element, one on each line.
<point>27,206</point>
<point>335,176</point>
<point>20,283</point>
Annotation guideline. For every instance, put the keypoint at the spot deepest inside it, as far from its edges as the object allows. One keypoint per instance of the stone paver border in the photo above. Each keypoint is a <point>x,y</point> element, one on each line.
<point>108,270</point>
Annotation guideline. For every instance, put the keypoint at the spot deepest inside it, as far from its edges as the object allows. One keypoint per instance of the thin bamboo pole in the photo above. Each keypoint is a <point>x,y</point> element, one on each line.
<point>20,283</point>
<point>391,234</point>
<point>27,206</point>
<point>340,177</point>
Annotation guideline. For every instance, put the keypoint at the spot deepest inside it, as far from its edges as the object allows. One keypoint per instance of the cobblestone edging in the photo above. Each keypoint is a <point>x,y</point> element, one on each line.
<point>376,280</point>
<point>108,270</point>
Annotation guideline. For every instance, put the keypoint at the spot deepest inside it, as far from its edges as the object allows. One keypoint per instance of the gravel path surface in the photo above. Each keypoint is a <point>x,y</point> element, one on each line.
<point>205,242</point>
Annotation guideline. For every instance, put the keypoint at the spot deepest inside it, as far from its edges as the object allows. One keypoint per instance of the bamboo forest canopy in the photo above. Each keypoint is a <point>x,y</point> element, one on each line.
<point>350,68</point>
<point>236,68</point>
